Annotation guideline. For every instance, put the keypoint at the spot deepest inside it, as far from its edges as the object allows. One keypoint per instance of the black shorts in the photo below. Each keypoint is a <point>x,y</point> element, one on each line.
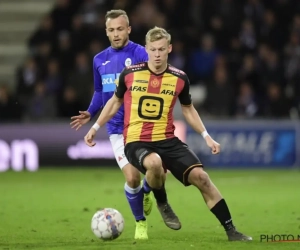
<point>176,156</point>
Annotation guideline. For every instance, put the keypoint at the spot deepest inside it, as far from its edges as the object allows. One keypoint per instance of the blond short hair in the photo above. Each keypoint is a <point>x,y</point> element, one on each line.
<point>156,34</point>
<point>112,14</point>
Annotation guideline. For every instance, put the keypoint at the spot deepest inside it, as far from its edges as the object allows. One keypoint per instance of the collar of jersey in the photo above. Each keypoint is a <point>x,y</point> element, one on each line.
<point>155,73</point>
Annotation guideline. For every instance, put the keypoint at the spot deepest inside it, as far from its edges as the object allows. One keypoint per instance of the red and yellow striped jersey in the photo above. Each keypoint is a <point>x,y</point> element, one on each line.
<point>149,100</point>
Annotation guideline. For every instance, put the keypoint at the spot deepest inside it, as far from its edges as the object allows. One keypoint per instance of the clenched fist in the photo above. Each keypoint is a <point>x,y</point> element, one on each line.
<point>215,147</point>
<point>89,138</point>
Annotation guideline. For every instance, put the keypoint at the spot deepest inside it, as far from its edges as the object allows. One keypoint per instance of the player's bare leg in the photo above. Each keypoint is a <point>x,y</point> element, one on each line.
<point>215,202</point>
<point>135,195</point>
<point>155,179</point>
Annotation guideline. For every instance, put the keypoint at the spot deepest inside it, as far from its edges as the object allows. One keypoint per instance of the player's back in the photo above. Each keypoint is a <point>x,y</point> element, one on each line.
<point>108,64</point>
<point>149,102</point>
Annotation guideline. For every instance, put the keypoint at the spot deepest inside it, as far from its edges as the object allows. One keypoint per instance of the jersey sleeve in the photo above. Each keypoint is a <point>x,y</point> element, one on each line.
<point>185,96</point>
<point>121,86</point>
<point>97,101</point>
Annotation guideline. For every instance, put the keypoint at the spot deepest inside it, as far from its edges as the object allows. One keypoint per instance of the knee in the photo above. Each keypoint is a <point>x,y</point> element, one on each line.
<point>153,163</point>
<point>199,178</point>
<point>133,181</point>
<point>132,176</point>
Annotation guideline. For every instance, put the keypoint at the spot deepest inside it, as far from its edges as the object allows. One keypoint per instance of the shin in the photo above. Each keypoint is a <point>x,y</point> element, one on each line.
<point>199,178</point>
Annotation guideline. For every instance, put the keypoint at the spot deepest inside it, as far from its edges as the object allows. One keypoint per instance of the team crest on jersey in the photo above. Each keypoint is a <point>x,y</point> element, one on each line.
<point>154,83</point>
<point>128,62</point>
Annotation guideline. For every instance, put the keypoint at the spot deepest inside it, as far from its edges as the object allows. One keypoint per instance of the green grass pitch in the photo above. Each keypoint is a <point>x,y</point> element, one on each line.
<point>52,209</point>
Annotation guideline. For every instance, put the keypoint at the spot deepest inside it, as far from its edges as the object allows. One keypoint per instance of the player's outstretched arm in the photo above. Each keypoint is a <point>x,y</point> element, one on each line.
<point>194,120</point>
<point>97,101</point>
<point>109,110</point>
<point>192,117</point>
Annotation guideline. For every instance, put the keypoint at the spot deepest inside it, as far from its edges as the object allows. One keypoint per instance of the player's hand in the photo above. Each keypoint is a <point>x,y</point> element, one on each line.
<point>215,147</point>
<point>80,120</point>
<point>89,138</point>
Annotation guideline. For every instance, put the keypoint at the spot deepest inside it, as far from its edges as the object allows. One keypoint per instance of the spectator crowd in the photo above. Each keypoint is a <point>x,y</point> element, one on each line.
<point>242,56</point>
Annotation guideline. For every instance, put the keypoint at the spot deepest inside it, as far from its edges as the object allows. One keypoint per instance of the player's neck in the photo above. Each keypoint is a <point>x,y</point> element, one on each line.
<point>159,70</point>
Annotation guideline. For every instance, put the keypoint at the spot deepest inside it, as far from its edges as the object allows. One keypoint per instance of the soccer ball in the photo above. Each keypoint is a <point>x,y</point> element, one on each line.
<point>107,224</point>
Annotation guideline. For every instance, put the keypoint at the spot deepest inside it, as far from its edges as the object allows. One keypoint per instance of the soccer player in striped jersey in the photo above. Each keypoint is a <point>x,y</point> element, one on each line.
<point>107,67</point>
<point>149,91</point>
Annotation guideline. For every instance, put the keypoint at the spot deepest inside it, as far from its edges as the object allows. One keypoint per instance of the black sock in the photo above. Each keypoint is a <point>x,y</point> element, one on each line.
<point>160,195</point>
<point>221,211</point>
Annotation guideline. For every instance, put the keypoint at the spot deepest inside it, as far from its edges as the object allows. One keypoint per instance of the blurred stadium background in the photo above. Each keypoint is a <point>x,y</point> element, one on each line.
<point>243,60</point>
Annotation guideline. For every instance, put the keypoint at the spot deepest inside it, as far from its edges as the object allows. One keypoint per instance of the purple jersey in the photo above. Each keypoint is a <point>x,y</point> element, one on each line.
<point>107,66</point>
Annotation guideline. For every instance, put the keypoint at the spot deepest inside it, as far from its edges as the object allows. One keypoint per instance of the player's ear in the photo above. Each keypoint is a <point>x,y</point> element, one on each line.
<point>106,32</point>
<point>170,48</point>
<point>129,30</point>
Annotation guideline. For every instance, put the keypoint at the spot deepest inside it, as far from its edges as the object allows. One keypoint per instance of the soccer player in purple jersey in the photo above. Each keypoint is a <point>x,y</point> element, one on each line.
<point>107,67</point>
